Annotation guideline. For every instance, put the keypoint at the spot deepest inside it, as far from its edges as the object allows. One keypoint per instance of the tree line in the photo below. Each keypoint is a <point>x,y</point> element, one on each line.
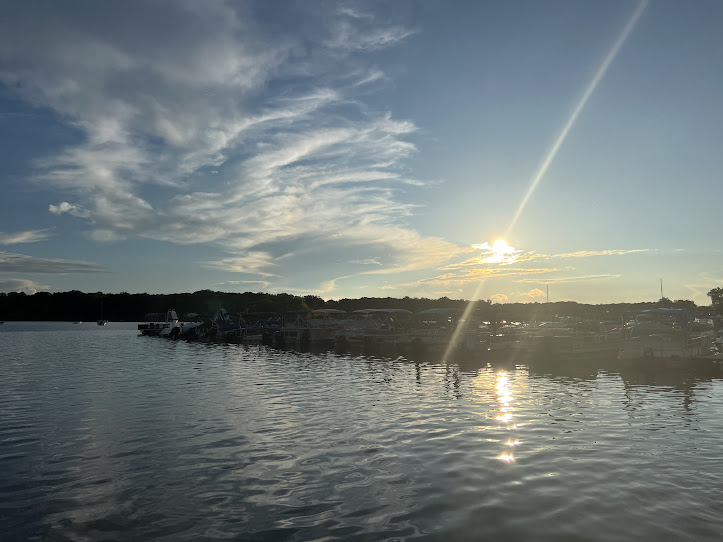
<point>81,306</point>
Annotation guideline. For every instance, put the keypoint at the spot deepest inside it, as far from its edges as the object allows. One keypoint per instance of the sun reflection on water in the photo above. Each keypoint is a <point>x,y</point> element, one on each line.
<point>505,416</point>
<point>496,390</point>
<point>508,457</point>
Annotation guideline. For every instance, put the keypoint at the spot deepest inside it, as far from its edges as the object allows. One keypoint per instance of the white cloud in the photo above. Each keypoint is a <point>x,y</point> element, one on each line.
<point>16,238</point>
<point>348,36</point>
<point>21,285</point>
<point>368,261</point>
<point>354,11</point>
<point>70,208</point>
<point>253,263</point>
<point>202,127</point>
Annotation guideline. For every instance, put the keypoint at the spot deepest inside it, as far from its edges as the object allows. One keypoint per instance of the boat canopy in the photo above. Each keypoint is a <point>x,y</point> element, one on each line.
<point>390,311</point>
<point>678,316</point>
<point>442,311</point>
<point>328,311</point>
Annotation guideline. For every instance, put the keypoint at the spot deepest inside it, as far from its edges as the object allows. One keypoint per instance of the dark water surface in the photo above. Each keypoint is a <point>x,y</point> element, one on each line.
<point>108,436</point>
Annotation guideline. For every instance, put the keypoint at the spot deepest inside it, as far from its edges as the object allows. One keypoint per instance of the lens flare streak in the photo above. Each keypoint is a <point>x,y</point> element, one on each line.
<point>556,146</point>
<point>578,109</point>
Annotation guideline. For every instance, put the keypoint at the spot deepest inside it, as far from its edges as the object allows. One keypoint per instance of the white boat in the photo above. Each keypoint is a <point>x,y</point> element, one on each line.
<point>170,327</point>
<point>662,335</point>
<point>177,328</point>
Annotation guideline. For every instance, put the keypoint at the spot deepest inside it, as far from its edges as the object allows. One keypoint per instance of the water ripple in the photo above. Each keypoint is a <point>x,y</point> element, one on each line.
<point>105,435</point>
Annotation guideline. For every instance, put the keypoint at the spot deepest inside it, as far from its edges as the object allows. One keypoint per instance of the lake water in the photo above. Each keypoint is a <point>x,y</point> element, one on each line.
<point>105,435</point>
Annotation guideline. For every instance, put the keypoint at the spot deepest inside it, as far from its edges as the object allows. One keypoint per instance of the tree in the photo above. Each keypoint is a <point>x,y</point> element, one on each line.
<point>313,302</point>
<point>716,297</point>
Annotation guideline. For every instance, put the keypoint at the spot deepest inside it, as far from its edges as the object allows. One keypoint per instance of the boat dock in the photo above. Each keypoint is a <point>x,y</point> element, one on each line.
<point>655,338</point>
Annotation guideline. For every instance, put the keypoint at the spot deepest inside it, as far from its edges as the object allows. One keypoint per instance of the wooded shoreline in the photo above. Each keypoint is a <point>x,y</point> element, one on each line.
<point>75,305</point>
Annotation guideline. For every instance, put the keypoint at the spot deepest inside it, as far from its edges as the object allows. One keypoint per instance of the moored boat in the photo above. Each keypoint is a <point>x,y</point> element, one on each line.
<point>170,327</point>
<point>316,328</point>
<point>663,336</point>
<point>257,328</point>
<point>375,329</point>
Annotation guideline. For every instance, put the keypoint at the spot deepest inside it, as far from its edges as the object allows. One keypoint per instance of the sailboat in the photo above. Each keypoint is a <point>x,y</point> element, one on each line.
<point>101,322</point>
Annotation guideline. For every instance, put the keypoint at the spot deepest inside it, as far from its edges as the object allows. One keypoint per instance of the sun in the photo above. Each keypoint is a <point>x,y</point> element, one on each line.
<point>498,252</point>
<point>500,246</point>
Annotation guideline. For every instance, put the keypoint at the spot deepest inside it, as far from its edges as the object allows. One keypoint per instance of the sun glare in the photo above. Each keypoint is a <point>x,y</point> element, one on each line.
<point>498,252</point>
<point>500,245</point>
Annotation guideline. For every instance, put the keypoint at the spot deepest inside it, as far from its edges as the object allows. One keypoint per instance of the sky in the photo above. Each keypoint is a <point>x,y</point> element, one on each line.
<point>515,151</point>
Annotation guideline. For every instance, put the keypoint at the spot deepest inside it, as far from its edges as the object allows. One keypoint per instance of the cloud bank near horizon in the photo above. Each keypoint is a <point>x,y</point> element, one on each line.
<point>21,285</point>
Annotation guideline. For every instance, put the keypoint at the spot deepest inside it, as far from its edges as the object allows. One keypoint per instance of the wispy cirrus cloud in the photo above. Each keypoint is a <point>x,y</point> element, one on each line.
<point>500,261</point>
<point>591,253</point>
<point>21,263</point>
<point>476,275</point>
<point>252,263</point>
<point>202,126</point>
<point>509,255</point>
<point>20,237</point>
<point>358,30</point>
<point>561,280</point>
<point>368,261</point>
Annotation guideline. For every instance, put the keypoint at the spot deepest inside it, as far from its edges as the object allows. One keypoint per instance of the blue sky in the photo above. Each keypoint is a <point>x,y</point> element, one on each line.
<point>488,150</point>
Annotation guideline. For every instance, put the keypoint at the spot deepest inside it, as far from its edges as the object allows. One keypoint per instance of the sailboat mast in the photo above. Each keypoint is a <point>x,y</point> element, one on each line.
<point>661,290</point>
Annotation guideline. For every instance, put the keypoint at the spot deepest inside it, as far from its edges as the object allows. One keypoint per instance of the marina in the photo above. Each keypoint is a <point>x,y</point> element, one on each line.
<point>657,337</point>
